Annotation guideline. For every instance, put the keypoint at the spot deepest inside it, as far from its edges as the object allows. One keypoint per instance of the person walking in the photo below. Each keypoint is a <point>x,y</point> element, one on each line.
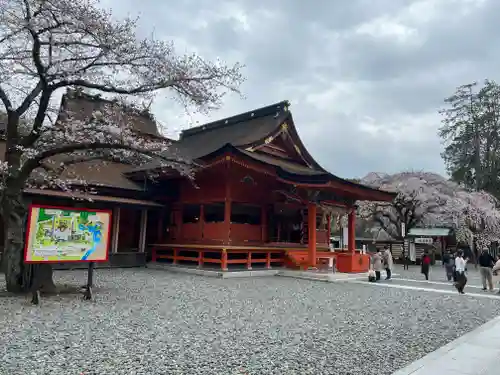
<point>449,264</point>
<point>406,260</point>
<point>460,264</point>
<point>496,270</point>
<point>486,263</point>
<point>377,264</point>
<point>388,262</point>
<point>426,264</point>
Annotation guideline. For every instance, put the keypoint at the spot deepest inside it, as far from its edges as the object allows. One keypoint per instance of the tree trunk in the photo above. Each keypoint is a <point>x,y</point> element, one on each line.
<point>19,276</point>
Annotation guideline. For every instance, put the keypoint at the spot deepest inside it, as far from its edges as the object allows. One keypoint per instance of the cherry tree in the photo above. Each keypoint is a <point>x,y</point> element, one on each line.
<point>429,200</point>
<point>417,202</point>
<point>49,45</point>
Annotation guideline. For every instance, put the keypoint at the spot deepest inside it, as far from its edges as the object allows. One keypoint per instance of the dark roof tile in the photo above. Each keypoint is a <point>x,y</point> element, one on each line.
<point>82,105</point>
<point>286,165</point>
<point>239,130</point>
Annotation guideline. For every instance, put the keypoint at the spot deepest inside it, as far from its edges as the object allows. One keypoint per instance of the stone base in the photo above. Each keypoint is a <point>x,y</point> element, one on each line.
<point>321,276</point>
<point>353,262</point>
<point>212,273</point>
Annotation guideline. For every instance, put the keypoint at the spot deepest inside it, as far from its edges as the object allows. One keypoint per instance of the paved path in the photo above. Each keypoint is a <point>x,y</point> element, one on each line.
<point>413,280</point>
<point>476,353</point>
<point>430,286</point>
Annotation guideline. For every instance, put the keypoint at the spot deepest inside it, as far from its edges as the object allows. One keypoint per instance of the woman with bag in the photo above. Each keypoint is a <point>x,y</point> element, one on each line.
<point>377,264</point>
<point>388,262</point>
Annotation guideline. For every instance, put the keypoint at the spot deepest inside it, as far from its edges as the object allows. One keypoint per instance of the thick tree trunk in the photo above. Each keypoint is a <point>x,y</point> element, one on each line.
<point>20,277</point>
<point>14,213</point>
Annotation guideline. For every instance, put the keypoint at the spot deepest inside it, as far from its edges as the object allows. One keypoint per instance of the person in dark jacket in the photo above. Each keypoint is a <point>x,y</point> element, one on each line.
<point>426,264</point>
<point>449,265</point>
<point>486,263</point>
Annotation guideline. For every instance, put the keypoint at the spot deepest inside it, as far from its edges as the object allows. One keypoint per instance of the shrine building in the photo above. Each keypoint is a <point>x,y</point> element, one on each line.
<point>258,198</point>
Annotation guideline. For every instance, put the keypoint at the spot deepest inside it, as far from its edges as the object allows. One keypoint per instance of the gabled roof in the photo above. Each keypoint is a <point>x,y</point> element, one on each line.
<point>241,130</point>
<point>81,105</point>
<point>244,133</point>
<point>97,173</point>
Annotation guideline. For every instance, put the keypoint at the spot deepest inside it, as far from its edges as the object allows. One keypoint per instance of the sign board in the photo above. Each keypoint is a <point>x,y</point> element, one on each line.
<point>64,234</point>
<point>403,230</point>
<point>424,240</point>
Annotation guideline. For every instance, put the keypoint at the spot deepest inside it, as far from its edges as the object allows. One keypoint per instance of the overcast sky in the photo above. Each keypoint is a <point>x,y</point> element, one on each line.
<point>365,77</point>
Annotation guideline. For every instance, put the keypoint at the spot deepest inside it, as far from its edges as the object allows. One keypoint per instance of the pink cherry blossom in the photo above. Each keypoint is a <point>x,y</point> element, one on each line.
<point>430,200</point>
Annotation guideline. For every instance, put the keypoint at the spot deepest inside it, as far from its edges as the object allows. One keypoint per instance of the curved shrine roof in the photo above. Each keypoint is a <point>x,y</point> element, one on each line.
<point>245,133</point>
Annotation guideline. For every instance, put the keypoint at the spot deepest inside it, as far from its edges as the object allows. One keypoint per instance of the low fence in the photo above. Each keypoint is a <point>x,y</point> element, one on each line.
<point>225,256</point>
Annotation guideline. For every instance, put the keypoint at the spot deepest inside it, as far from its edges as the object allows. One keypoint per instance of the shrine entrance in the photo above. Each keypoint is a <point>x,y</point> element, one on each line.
<point>286,224</point>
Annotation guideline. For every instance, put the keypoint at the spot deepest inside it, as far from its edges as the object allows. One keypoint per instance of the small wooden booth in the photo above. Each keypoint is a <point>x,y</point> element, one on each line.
<point>258,198</point>
<point>436,240</point>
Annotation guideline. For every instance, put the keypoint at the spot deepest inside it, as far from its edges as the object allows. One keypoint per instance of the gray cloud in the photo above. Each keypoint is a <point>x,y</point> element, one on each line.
<point>365,77</point>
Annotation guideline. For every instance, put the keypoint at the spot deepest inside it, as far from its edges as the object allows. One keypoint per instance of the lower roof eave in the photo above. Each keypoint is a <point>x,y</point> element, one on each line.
<point>92,197</point>
<point>355,193</point>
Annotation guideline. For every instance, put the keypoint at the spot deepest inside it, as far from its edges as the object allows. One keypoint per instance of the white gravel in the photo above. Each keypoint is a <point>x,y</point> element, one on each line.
<point>155,322</point>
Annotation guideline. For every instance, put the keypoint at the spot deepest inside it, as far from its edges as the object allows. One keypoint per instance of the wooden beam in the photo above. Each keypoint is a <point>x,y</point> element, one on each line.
<point>143,229</point>
<point>116,230</point>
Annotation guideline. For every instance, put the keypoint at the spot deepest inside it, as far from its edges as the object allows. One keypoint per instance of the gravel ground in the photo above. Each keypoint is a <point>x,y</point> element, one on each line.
<point>155,322</point>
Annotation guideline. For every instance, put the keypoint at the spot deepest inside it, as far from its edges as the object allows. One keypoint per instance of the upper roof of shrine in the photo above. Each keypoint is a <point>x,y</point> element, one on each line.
<point>257,135</point>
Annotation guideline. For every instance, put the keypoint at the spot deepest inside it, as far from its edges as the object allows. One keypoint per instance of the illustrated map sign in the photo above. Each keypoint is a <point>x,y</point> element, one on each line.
<point>66,234</point>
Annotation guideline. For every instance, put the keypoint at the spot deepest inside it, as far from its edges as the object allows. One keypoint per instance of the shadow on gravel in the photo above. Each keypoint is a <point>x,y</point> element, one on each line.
<point>61,290</point>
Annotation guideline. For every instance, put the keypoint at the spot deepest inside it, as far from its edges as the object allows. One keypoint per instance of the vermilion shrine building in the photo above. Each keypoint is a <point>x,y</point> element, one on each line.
<point>258,198</point>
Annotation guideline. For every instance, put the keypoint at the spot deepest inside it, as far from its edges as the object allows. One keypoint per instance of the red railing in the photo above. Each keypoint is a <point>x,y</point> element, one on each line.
<point>218,254</point>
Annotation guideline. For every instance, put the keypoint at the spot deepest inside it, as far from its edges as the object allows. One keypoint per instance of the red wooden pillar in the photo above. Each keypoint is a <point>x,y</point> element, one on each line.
<point>328,229</point>
<point>351,231</point>
<point>311,246</point>
<point>201,255</point>
<point>223,260</point>
<point>175,254</point>
<point>227,206</point>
